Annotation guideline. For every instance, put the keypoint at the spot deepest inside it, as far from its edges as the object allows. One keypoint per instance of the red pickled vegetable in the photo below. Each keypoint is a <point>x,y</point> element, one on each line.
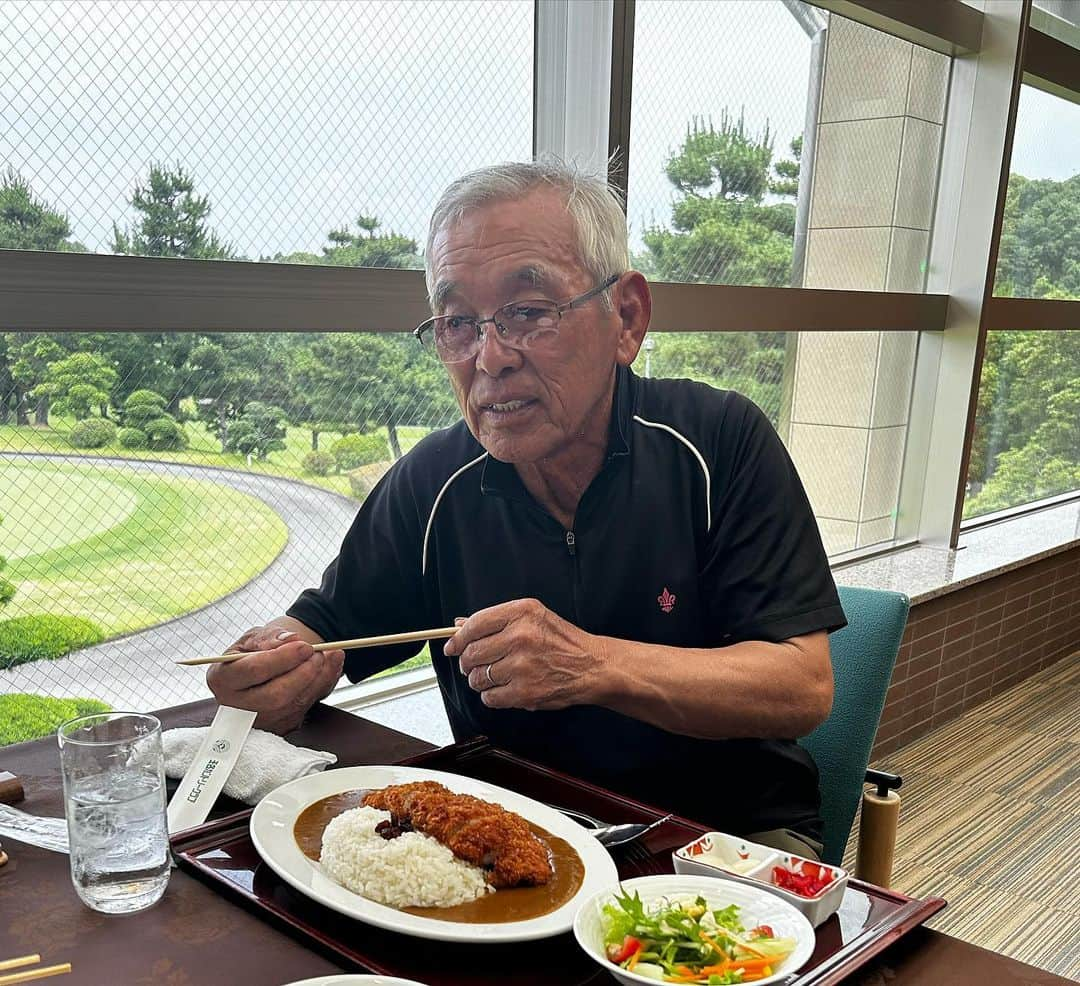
<point>810,882</point>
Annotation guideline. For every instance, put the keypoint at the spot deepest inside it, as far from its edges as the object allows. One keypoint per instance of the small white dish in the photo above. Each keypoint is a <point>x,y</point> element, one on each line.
<point>756,906</point>
<point>817,909</point>
<point>717,850</point>
<point>714,853</point>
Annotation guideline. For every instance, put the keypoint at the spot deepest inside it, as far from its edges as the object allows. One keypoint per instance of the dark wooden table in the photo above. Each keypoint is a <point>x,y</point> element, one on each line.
<point>194,937</point>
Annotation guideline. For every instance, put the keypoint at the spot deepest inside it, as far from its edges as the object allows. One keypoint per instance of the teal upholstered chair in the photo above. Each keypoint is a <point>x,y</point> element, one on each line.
<point>863,656</point>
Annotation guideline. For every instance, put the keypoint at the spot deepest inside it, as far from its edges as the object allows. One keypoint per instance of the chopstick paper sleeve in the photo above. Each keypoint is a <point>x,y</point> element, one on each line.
<point>214,761</point>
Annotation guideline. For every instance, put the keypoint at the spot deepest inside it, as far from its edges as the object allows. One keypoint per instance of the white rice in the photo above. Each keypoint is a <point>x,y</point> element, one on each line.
<point>412,870</point>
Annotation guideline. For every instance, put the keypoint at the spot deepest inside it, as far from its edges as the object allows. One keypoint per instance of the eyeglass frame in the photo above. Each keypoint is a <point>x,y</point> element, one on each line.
<point>558,308</point>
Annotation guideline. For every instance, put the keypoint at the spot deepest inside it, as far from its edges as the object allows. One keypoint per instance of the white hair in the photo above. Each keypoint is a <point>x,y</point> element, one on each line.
<point>593,204</point>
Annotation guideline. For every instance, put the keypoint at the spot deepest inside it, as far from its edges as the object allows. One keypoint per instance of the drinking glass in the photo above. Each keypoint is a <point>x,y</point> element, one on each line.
<point>114,799</point>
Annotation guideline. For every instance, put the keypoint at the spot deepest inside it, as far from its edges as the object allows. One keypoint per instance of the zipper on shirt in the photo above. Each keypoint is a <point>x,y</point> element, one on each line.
<point>575,575</point>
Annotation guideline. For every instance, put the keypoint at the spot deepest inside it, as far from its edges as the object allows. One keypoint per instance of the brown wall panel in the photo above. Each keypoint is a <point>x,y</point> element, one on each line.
<point>964,647</point>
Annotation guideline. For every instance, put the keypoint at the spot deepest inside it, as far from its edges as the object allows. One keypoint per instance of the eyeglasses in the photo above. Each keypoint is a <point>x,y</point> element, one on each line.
<point>520,324</point>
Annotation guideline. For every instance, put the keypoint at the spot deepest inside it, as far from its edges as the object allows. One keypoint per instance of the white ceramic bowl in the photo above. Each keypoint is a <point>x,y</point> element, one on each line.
<point>756,906</point>
<point>710,856</point>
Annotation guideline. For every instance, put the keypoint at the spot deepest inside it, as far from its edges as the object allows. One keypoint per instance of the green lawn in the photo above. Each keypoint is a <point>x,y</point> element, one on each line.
<point>126,551</point>
<point>203,451</point>
<point>26,717</point>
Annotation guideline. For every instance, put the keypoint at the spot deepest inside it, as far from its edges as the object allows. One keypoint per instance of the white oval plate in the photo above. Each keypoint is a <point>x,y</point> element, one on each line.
<point>755,907</point>
<point>350,980</point>
<point>272,833</point>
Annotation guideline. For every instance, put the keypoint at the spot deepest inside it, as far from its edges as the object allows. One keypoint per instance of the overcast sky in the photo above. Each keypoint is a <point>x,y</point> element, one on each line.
<point>295,117</point>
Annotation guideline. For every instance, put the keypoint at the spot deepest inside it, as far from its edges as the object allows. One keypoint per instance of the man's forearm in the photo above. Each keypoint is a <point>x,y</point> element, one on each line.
<point>750,689</point>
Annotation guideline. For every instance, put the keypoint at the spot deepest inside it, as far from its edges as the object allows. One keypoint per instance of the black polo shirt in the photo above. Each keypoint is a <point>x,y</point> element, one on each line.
<point>696,533</point>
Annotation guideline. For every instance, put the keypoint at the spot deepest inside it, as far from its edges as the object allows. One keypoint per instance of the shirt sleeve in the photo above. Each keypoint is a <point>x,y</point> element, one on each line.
<point>374,585</point>
<point>765,574</point>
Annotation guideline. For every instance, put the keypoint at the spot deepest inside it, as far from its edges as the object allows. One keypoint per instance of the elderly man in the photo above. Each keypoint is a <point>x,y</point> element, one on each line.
<point>641,590</point>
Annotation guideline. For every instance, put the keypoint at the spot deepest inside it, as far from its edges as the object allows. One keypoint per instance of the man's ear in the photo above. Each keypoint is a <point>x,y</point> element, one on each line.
<point>634,301</point>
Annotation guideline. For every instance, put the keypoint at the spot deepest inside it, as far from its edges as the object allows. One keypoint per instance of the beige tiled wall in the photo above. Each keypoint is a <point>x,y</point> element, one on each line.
<point>874,178</point>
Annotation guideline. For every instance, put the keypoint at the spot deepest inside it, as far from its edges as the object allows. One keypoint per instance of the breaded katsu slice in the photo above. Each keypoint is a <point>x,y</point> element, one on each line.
<point>474,830</point>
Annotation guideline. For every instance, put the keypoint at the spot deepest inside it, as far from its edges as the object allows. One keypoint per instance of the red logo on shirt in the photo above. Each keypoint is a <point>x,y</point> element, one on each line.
<point>666,600</point>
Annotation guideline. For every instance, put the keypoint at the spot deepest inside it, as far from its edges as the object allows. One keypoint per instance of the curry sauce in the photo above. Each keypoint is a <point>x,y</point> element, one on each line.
<point>502,906</point>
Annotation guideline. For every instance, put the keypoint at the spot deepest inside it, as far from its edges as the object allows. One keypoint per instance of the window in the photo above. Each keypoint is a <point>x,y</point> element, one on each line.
<point>774,144</point>
<point>178,488</point>
<point>1039,255</point>
<point>257,131</point>
<point>151,478</point>
<point>1026,445</point>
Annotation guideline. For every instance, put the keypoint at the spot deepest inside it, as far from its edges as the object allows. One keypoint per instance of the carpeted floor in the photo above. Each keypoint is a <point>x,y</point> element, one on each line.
<point>990,820</point>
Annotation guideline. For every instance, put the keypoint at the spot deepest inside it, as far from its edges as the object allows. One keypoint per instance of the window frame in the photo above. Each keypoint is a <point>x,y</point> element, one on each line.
<point>585,51</point>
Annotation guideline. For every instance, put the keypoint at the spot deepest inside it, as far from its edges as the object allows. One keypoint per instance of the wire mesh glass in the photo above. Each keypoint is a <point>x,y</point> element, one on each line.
<point>163,492</point>
<point>775,144</point>
<point>260,130</point>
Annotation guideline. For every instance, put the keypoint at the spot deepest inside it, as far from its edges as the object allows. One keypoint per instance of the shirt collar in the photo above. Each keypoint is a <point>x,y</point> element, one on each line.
<point>501,478</point>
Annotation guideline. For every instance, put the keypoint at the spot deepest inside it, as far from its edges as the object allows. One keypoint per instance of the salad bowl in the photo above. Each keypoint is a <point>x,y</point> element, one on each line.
<point>594,925</point>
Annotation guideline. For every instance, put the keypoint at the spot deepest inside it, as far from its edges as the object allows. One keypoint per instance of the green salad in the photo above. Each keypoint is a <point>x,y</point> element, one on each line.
<point>686,941</point>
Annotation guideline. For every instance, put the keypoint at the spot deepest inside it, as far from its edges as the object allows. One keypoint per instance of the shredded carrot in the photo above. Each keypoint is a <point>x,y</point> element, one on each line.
<point>735,938</point>
<point>750,965</point>
<point>712,944</point>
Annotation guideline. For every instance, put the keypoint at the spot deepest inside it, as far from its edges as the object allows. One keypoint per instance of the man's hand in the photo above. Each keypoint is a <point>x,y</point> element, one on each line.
<point>281,679</point>
<point>521,655</point>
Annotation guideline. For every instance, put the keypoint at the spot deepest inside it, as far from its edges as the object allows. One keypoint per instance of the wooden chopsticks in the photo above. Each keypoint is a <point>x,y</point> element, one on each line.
<point>29,975</point>
<point>440,633</point>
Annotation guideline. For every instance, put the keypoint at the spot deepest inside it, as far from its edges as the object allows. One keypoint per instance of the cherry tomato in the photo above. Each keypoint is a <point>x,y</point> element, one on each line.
<point>620,953</point>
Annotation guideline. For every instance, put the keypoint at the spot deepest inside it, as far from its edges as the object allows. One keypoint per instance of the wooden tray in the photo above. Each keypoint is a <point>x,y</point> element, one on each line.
<point>221,854</point>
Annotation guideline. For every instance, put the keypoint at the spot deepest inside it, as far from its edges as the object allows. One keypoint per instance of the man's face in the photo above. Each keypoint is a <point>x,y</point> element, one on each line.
<point>524,406</point>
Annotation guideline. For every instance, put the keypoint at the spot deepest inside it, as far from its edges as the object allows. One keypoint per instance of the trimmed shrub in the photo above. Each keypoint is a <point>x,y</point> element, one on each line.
<point>165,435</point>
<point>92,433</point>
<point>353,451</point>
<point>318,463</point>
<point>44,637</point>
<point>26,717</point>
<point>363,480</point>
<point>132,438</point>
<point>141,407</point>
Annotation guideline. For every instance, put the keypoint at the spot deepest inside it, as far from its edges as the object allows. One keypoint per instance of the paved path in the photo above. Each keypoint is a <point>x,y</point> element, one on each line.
<point>137,671</point>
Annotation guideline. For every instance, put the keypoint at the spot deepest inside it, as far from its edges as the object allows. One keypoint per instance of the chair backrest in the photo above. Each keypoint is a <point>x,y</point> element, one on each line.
<point>863,656</point>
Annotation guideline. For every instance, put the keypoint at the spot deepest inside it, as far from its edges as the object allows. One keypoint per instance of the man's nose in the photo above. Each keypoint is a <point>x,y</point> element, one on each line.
<point>495,357</point>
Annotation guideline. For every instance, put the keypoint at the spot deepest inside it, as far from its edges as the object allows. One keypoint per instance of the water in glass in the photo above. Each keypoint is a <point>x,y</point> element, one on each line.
<point>115,803</point>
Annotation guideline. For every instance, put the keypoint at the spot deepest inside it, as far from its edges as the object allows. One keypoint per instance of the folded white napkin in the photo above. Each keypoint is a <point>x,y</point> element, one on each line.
<point>266,761</point>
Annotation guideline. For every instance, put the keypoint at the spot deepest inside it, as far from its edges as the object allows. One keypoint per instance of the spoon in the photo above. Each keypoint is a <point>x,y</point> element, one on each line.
<point>611,835</point>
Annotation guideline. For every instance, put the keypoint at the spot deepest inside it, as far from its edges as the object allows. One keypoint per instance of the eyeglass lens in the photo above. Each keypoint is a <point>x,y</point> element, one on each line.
<point>521,325</point>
